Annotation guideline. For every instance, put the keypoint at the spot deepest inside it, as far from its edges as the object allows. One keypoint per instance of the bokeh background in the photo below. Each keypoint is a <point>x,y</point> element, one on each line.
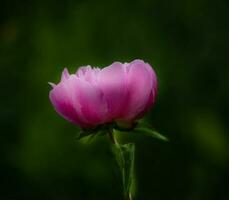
<point>186,41</point>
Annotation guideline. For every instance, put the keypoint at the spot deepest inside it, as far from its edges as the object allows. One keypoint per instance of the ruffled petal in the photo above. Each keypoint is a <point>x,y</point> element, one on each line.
<point>65,75</point>
<point>81,71</point>
<point>88,74</point>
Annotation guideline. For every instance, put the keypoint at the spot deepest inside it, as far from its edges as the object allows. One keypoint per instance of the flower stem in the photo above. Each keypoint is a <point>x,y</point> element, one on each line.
<point>124,154</point>
<point>112,138</point>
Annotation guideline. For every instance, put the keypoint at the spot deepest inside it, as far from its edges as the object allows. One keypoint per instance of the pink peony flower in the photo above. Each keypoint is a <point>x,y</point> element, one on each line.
<point>93,96</point>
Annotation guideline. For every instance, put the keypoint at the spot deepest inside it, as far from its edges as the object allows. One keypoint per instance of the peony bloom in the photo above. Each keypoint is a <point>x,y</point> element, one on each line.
<point>93,96</point>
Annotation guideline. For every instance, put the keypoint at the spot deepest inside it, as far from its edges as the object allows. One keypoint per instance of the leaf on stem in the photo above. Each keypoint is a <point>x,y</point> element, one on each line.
<point>88,135</point>
<point>145,131</point>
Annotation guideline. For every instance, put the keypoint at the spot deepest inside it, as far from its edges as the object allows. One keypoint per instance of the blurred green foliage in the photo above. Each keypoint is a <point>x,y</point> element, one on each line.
<point>187,44</point>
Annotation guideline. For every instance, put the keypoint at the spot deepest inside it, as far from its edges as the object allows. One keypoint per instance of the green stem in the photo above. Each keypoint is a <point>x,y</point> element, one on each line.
<point>124,154</point>
<point>112,138</point>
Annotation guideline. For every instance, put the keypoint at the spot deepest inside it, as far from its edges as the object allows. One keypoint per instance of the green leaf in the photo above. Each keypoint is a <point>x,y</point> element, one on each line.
<point>83,134</point>
<point>145,131</point>
<point>87,135</point>
<point>87,139</point>
<point>124,154</point>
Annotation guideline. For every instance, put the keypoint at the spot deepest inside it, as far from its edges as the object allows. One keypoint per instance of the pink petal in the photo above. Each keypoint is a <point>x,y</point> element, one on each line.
<point>82,70</point>
<point>61,98</point>
<point>139,88</point>
<point>93,107</point>
<point>153,93</point>
<point>154,88</point>
<point>79,102</point>
<point>65,75</point>
<point>88,74</point>
<point>111,80</point>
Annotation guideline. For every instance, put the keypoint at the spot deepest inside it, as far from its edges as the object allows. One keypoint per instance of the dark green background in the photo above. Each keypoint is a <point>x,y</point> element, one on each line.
<point>186,41</point>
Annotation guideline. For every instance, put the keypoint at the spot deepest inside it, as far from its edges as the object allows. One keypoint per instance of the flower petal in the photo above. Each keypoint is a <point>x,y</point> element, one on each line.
<point>88,74</point>
<point>82,70</point>
<point>153,94</point>
<point>111,80</point>
<point>65,75</point>
<point>139,84</point>
<point>61,98</point>
<point>92,105</point>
